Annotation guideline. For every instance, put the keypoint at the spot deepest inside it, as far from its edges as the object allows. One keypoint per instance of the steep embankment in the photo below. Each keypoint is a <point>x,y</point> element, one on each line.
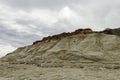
<point>70,49</point>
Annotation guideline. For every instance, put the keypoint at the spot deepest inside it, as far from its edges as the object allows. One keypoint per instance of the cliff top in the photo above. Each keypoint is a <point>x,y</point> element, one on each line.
<point>62,35</point>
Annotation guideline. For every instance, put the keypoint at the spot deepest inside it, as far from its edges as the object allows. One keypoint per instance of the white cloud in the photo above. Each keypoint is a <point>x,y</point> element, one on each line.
<point>45,16</point>
<point>70,15</point>
<point>5,49</point>
<point>66,13</point>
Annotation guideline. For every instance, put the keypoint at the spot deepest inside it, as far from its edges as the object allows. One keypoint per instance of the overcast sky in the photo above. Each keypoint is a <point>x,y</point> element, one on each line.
<point>25,21</point>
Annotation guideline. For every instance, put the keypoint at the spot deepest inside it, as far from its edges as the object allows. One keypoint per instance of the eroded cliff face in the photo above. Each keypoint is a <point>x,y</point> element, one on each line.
<point>63,35</point>
<point>82,46</point>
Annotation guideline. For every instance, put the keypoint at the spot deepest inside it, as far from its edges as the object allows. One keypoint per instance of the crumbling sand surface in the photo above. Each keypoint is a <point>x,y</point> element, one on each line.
<point>31,72</point>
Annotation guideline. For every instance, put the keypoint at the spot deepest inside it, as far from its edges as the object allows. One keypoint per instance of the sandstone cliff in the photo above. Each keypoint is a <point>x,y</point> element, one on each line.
<point>74,49</point>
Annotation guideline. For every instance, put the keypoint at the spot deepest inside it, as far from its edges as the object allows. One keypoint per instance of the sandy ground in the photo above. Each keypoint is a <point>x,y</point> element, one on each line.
<point>31,72</point>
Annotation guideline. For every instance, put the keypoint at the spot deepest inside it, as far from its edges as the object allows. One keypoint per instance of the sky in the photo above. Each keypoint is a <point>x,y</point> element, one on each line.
<point>24,21</point>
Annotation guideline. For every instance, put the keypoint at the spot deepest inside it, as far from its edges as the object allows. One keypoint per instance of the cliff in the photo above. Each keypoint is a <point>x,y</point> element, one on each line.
<point>63,35</point>
<point>74,49</point>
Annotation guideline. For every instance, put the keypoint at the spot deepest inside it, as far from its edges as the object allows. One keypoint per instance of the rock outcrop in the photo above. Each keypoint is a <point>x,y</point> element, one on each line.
<point>63,35</point>
<point>112,31</point>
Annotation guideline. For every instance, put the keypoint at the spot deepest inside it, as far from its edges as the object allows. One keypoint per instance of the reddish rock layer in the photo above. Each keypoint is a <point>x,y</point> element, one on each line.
<point>62,35</point>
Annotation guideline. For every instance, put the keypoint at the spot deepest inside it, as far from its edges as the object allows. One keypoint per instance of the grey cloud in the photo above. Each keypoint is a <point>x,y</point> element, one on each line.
<point>17,39</point>
<point>53,4</point>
